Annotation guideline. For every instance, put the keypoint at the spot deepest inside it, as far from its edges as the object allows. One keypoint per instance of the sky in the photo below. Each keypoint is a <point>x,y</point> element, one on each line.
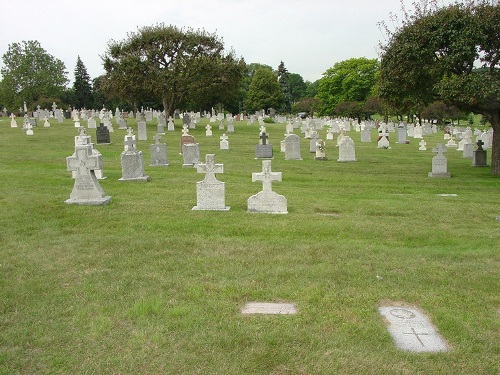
<point>309,36</point>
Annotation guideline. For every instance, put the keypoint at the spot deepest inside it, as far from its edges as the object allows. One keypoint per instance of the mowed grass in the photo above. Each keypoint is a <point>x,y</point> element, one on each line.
<point>145,285</point>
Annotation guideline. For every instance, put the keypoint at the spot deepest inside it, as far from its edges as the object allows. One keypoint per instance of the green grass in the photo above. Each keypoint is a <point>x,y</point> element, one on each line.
<point>146,285</point>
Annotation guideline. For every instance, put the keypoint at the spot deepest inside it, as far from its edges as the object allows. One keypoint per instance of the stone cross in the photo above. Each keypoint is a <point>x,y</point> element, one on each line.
<point>130,132</point>
<point>223,137</point>
<point>210,169</point>
<point>129,143</point>
<point>83,162</point>
<point>185,130</point>
<point>439,149</point>
<point>264,137</point>
<point>157,138</point>
<point>480,144</point>
<point>82,131</point>
<point>266,176</point>
<point>262,129</point>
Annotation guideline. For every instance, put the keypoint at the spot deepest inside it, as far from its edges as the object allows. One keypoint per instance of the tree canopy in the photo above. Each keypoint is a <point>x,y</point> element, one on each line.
<point>351,81</point>
<point>178,66</point>
<point>264,91</point>
<point>82,89</point>
<point>450,54</point>
<point>30,74</point>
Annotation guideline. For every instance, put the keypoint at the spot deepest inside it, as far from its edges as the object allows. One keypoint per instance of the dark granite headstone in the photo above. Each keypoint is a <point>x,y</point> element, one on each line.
<point>102,134</point>
<point>479,156</point>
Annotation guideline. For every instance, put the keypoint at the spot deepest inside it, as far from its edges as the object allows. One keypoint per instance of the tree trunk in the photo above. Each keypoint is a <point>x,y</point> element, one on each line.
<point>495,145</point>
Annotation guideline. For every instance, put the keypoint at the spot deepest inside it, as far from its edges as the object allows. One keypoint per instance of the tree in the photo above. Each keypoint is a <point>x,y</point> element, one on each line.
<point>30,73</point>
<point>309,105</point>
<point>283,80</point>
<point>82,90</point>
<point>297,86</point>
<point>450,54</point>
<point>175,65</point>
<point>440,111</point>
<point>350,80</point>
<point>264,91</point>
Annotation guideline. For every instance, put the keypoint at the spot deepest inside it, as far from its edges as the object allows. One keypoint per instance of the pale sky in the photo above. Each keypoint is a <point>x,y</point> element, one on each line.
<point>308,36</point>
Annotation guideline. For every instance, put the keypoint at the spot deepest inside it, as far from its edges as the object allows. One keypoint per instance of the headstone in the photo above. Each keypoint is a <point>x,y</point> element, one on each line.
<point>479,155</point>
<point>141,131</point>
<point>186,139</point>
<point>46,123</point>
<point>158,153</point>
<point>132,163</point>
<point>91,124</point>
<point>411,330</point>
<point>439,163</point>
<point>269,308</point>
<point>292,147</point>
<point>383,139</point>
<point>224,142</point>
<point>208,130</point>
<point>190,155</point>
<point>401,134</point>
<point>366,135</point>
<point>422,145</point>
<point>313,141</point>
<point>170,125</point>
<point>347,150</point>
<point>320,150</point>
<point>102,134</point>
<point>210,193</point>
<point>29,129</point>
<point>267,201</point>
<point>13,123</point>
<point>230,126</point>
<point>83,139</point>
<point>263,150</point>
<point>86,189</point>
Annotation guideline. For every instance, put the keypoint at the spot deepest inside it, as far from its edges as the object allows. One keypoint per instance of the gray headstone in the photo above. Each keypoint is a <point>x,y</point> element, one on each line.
<point>132,163</point>
<point>347,150</point>
<point>267,201</point>
<point>102,134</point>
<point>158,153</point>
<point>292,147</point>
<point>86,189</point>
<point>439,163</point>
<point>191,155</point>
<point>411,330</point>
<point>479,158</point>
<point>264,151</point>
<point>141,131</point>
<point>210,193</point>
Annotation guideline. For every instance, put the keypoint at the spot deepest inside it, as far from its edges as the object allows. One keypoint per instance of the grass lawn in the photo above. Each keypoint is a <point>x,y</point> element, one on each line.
<point>145,285</point>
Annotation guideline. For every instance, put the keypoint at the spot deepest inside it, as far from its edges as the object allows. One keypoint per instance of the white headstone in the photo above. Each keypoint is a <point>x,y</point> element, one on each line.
<point>267,201</point>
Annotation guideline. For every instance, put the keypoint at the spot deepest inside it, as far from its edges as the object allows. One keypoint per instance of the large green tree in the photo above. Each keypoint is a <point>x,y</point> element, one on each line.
<point>178,66</point>
<point>284,81</point>
<point>82,89</point>
<point>351,81</point>
<point>29,74</point>
<point>264,91</point>
<point>297,86</point>
<point>451,54</point>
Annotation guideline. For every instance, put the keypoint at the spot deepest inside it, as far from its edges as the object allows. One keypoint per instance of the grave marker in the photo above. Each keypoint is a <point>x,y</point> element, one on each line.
<point>439,163</point>
<point>267,201</point>
<point>210,193</point>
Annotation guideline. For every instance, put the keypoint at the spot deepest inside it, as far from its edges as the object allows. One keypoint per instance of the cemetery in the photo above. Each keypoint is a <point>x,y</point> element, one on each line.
<point>372,265</point>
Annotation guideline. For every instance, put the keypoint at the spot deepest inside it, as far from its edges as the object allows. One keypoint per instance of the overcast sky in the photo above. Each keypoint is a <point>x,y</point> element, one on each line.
<point>309,36</point>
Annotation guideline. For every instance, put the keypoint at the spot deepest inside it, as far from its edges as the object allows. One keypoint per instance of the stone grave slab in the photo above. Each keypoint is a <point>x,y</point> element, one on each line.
<point>269,308</point>
<point>411,330</point>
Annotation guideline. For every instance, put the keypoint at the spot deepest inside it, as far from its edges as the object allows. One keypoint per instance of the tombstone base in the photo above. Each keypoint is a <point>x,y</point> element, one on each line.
<point>89,202</point>
<point>138,179</point>
<point>159,165</point>
<point>197,208</point>
<point>320,158</point>
<point>267,202</point>
<point>188,165</point>
<point>439,175</point>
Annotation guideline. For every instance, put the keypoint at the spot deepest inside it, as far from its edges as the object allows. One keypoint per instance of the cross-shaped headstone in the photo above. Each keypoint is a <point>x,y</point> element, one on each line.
<point>422,143</point>
<point>439,149</point>
<point>129,143</point>
<point>264,137</point>
<point>81,131</point>
<point>210,169</point>
<point>223,137</point>
<point>130,132</point>
<point>480,144</point>
<point>157,138</point>
<point>185,129</point>
<point>266,176</point>
<point>262,129</point>
<point>83,161</point>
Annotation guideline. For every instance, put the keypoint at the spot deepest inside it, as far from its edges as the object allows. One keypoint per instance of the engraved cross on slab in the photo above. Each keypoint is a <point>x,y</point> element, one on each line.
<point>266,176</point>
<point>210,169</point>
<point>157,138</point>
